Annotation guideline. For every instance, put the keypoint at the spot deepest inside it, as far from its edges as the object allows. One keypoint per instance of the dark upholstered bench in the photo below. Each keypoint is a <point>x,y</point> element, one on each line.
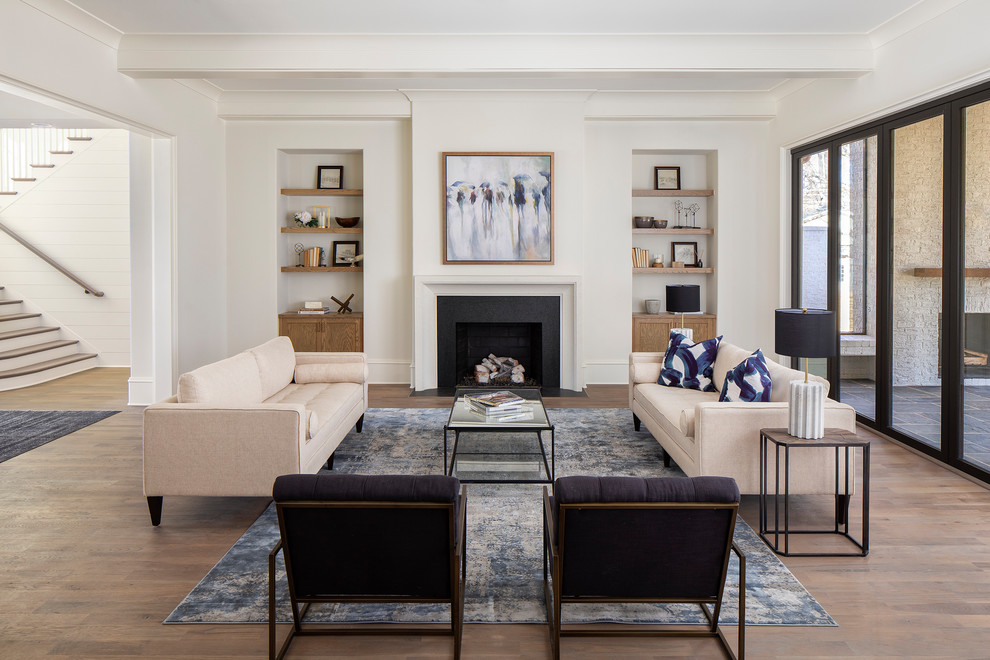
<point>351,538</point>
<point>627,539</point>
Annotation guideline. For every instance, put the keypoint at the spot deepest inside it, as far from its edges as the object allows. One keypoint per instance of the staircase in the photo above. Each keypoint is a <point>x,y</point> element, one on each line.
<point>31,352</point>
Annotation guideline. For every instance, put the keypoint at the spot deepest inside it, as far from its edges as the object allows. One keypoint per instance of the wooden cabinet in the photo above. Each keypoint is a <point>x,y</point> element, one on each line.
<point>327,332</point>
<point>651,332</point>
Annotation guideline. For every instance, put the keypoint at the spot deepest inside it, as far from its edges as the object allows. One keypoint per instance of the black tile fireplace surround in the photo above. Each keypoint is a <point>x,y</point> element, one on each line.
<point>526,325</point>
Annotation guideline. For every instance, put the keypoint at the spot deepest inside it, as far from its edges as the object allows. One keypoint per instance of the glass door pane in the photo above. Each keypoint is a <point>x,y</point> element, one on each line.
<point>813,177</point>
<point>858,274</point>
<point>916,204</point>
<point>976,317</point>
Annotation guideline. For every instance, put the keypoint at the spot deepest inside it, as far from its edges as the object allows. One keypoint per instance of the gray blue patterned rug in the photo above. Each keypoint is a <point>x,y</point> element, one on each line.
<point>504,578</point>
<point>23,430</point>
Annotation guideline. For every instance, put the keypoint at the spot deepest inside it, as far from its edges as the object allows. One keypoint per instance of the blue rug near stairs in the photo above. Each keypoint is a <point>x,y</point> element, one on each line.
<point>23,430</point>
<point>504,577</point>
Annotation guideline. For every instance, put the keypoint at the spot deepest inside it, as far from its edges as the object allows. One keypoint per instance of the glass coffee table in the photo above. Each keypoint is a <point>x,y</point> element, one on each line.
<point>489,456</point>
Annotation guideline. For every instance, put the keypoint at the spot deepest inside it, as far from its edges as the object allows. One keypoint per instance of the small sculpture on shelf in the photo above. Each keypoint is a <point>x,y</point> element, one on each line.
<point>694,211</point>
<point>300,248</point>
<point>345,306</point>
<point>679,206</point>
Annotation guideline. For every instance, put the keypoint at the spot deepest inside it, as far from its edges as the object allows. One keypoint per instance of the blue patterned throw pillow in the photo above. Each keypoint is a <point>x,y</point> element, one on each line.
<point>747,381</point>
<point>689,365</point>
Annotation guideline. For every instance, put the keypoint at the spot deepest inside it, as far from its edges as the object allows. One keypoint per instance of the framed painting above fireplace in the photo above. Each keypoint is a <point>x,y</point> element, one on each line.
<point>498,207</point>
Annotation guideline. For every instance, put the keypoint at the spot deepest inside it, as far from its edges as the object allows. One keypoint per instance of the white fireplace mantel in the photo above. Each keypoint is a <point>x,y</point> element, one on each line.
<point>428,287</point>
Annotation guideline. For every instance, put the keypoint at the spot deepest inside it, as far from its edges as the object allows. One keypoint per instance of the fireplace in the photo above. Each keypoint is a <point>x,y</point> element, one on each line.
<point>976,345</point>
<point>524,327</point>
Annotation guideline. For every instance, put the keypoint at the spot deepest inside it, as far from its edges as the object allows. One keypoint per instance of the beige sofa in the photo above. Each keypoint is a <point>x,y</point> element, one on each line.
<point>706,437</point>
<point>235,425</point>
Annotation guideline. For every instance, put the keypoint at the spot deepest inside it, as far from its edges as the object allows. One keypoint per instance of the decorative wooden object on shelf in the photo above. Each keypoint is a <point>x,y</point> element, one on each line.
<point>345,306</point>
<point>937,272</point>
<point>673,193</point>
<point>332,269</point>
<point>320,230</point>
<point>675,271</point>
<point>651,332</point>
<point>323,332</point>
<point>320,192</point>
<point>699,231</point>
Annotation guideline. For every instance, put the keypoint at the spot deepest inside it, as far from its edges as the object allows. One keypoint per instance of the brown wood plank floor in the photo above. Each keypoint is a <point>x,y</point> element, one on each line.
<point>83,574</point>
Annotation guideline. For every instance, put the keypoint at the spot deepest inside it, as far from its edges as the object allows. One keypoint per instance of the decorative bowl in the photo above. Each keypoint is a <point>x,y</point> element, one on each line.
<point>660,224</point>
<point>348,222</point>
<point>643,221</point>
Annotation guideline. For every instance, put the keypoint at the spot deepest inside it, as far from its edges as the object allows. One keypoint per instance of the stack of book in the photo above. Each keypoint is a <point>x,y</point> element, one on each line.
<point>499,405</point>
<point>640,258</point>
<point>314,307</point>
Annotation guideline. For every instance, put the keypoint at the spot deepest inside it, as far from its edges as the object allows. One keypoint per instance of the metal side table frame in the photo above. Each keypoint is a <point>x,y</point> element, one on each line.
<point>837,439</point>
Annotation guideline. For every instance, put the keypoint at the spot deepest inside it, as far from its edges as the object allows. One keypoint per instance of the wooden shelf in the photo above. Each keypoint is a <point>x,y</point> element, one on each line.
<point>937,272</point>
<point>691,231</point>
<point>322,269</point>
<point>674,271</point>
<point>321,230</point>
<point>315,192</point>
<point>673,193</point>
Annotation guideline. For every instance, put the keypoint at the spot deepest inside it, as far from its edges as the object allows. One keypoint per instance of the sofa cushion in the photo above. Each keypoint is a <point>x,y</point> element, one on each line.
<point>674,405</point>
<point>350,372</point>
<point>276,362</point>
<point>233,381</point>
<point>365,488</point>
<point>689,365</point>
<point>748,381</point>
<point>328,403</point>
<point>729,355</point>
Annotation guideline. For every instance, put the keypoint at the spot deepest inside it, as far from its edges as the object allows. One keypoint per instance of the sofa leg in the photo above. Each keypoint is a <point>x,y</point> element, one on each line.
<point>636,422</point>
<point>666,458</point>
<point>330,462</point>
<point>359,424</point>
<point>155,508</point>
<point>842,509</point>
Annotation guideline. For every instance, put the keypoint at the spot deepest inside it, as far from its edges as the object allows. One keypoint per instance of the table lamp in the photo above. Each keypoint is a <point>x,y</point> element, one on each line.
<point>806,333</point>
<point>683,298</point>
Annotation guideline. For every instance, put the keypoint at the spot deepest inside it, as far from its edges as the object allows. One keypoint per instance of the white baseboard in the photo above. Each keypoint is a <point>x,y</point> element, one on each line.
<point>389,372</point>
<point>606,373</point>
<point>140,391</point>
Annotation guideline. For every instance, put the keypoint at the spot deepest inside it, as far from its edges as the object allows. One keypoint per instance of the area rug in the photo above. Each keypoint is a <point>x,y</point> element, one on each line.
<point>504,576</point>
<point>24,430</point>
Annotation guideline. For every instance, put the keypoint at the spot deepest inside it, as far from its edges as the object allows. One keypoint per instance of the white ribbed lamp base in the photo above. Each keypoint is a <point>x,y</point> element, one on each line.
<point>807,410</point>
<point>687,332</point>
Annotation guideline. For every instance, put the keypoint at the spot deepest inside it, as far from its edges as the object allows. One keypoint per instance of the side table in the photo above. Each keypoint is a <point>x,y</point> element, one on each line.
<point>845,441</point>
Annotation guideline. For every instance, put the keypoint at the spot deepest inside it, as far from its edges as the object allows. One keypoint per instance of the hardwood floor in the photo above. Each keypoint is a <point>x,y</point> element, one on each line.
<point>83,574</point>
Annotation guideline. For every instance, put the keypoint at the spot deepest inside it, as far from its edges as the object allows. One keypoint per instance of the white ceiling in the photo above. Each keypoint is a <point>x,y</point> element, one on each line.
<point>498,17</point>
<point>234,50</point>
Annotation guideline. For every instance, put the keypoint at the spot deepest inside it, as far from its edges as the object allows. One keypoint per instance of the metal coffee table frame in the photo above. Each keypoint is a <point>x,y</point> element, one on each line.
<point>536,426</point>
<point>837,439</point>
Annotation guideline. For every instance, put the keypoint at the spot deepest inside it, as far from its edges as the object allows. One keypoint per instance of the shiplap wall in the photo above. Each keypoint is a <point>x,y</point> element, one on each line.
<point>78,215</point>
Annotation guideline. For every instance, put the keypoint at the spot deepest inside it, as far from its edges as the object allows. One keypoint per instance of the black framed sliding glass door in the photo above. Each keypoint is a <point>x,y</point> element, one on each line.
<point>904,205</point>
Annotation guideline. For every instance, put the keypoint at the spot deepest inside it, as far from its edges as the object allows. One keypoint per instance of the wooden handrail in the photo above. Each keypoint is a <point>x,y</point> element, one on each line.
<point>87,288</point>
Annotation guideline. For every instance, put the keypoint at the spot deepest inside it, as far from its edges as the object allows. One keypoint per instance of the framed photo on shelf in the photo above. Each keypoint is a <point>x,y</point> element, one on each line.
<point>329,177</point>
<point>344,253</point>
<point>666,177</point>
<point>684,251</point>
<point>498,207</point>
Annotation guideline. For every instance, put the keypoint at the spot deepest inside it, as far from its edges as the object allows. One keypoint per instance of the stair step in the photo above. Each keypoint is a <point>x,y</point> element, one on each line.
<point>19,316</point>
<point>43,166</point>
<point>11,302</point>
<point>27,332</point>
<point>37,348</point>
<point>79,139</point>
<point>8,192</point>
<point>62,153</point>
<point>46,365</point>
<point>23,178</point>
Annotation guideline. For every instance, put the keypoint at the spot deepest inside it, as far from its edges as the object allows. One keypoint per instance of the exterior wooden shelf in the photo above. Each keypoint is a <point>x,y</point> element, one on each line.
<point>321,230</point>
<point>315,192</point>
<point>937,272</point>
<point>673,193</point>
<point>322,269</point>
<point>674,271</point>
<point>690,231</point>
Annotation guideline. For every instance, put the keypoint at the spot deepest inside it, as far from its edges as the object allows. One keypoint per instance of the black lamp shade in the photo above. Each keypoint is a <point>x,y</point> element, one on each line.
<point>807,333</point>
<point>683,298</point>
